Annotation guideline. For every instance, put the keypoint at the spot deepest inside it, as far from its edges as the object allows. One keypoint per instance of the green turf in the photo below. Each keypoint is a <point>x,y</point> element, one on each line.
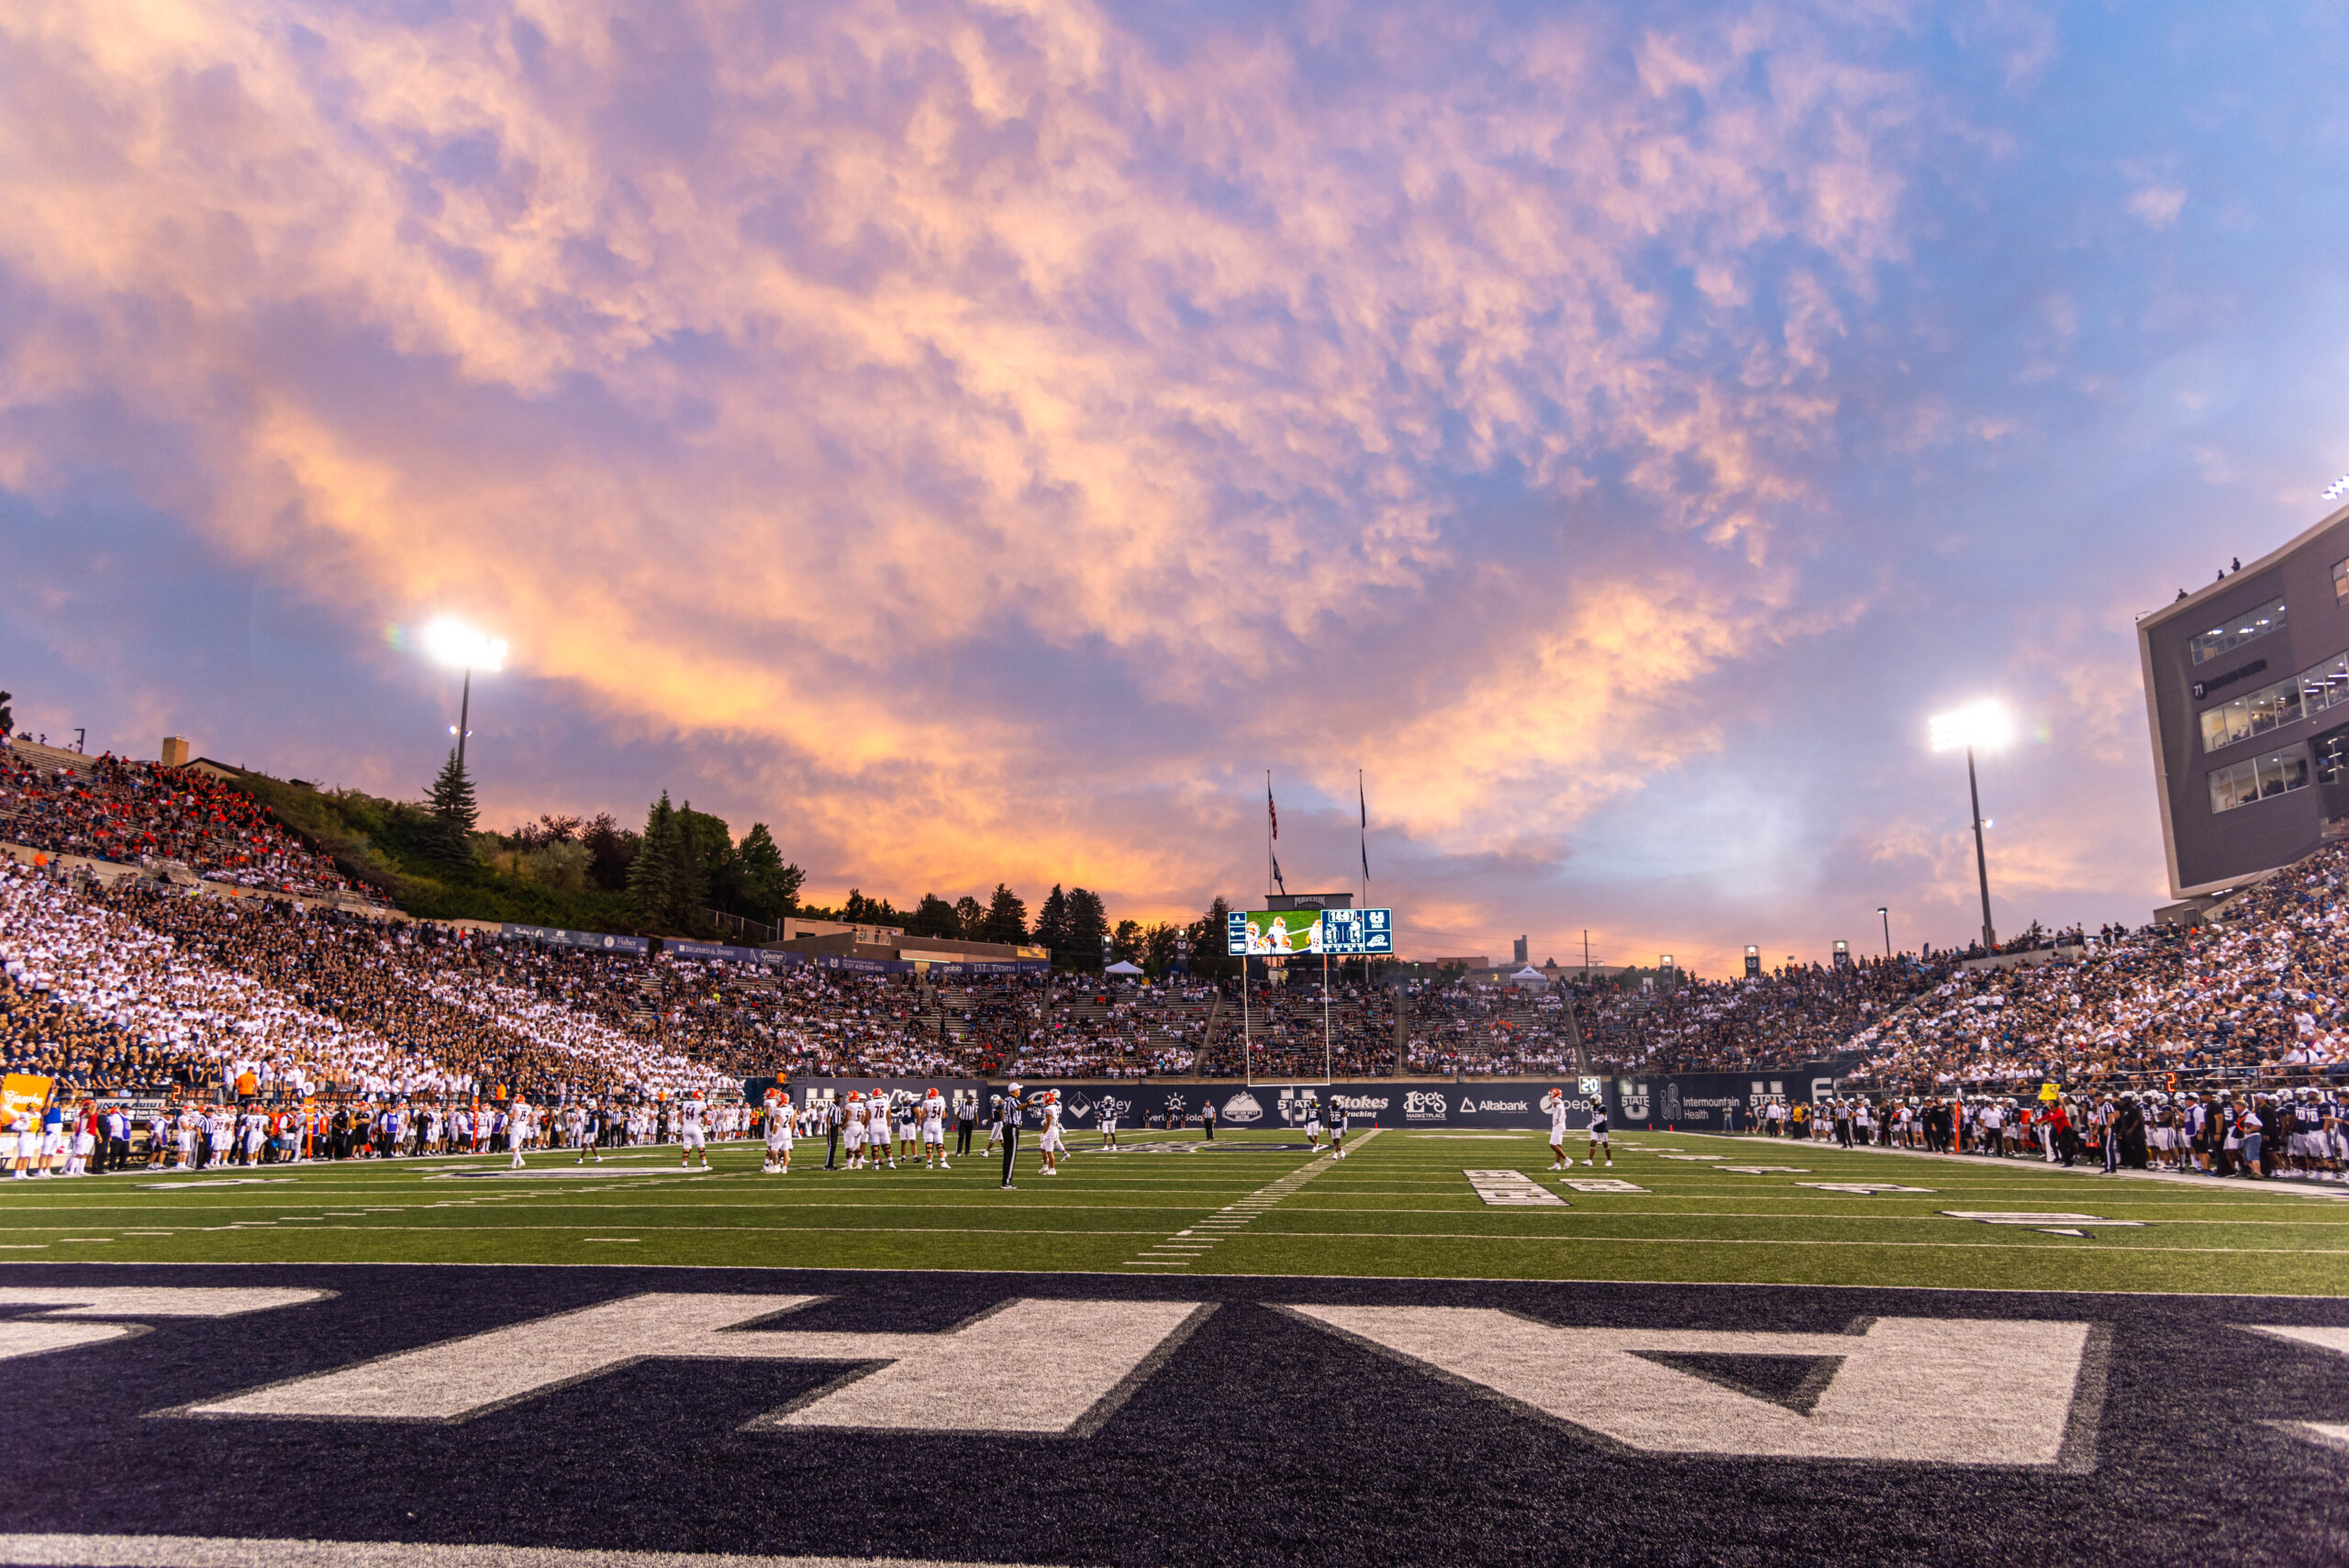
<point>1399,1206</point>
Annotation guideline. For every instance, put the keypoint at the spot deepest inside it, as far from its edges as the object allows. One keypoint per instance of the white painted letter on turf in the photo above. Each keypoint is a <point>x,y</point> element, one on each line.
<point>2322,1337</point>
<point>28,1337</point>
<point>1043,1367</point>
<point>1933,1390</point>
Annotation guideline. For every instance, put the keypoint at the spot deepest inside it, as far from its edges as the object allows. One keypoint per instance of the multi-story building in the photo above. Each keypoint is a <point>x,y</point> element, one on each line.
<point>2247,693</point>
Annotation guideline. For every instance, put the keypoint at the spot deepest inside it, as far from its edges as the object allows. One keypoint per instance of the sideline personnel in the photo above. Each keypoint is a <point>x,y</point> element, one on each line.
<point>1010,1131</point>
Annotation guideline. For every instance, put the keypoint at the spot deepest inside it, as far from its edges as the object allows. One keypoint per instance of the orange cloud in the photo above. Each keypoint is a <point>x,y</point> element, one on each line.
<point>963,412</point>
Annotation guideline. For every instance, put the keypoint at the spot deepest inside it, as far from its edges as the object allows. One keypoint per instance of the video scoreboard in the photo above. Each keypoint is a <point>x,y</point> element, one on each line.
<point>1288,933</point>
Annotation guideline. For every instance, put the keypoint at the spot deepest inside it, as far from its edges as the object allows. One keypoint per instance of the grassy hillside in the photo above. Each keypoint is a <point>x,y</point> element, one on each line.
<point>385,844</point>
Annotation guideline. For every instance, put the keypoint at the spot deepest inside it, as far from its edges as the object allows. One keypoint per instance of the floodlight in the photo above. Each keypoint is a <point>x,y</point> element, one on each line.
<point>1983,726</point>
<point>458,646</point>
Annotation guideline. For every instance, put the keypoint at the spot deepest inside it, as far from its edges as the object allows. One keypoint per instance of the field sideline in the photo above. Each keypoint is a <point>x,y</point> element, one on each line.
<point>1400,1207</point>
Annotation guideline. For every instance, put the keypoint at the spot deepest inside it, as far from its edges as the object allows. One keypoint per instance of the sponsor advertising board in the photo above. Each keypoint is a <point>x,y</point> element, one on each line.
<point>1700,1102</point>
<point>601,942</point>
<point>678,949</point>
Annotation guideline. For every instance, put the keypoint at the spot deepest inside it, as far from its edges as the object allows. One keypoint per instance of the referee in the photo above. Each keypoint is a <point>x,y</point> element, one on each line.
<point>1010,1130</point>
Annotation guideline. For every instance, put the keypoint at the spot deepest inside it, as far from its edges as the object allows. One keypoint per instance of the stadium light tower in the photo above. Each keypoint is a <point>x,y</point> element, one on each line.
<point>1987,724</point>
<point>459,647</point>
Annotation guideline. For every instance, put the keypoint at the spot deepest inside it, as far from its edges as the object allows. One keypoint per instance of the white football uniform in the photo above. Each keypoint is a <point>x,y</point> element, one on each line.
<point>933,1122</point>
<point>692,1135</point>
<point>779,1124</point>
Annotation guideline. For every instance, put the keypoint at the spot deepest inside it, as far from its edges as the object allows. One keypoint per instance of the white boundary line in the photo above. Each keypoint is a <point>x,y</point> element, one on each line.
<point>250,1551</point>
<point>1097,1274</point>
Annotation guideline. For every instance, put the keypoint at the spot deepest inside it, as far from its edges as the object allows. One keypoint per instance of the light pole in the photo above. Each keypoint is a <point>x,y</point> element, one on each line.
<point>459,647</point>
<point>1884,912</point>
<point>1983,724</point>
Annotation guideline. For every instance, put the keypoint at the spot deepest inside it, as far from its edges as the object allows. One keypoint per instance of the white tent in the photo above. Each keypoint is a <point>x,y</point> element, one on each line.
<point>1121,967</point>
<point>1529,975</point>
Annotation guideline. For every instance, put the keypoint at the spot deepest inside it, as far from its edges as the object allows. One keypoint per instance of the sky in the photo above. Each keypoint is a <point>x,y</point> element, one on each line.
<point>982,440</point>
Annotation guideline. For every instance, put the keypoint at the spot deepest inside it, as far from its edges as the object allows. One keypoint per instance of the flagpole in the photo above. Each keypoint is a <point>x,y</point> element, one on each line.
<point>1247,1034</point>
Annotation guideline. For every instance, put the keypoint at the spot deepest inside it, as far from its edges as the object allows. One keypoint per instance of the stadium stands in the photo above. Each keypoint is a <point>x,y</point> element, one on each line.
<point>109,809</point>
<point>146,983</point>
<point>2258,990</point>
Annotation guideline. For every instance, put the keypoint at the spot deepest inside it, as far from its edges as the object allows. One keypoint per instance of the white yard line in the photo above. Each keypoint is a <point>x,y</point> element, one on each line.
<point>1242,1212</point>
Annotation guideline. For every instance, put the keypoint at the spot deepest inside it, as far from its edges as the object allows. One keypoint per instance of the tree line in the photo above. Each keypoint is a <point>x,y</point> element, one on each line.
<point>685,864</point>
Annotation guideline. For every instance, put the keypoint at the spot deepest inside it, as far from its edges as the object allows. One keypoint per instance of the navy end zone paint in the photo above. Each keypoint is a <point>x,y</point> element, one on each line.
<point>1300,1421</point>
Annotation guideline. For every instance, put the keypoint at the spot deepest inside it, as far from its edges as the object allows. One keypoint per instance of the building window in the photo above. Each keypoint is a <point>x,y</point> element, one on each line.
<point>2258,779</point>
<point>2340,581</point>
<point>2236,632</point>
<point>2326,686</point>
<point>2332,756</point>
<point>2255,713</point>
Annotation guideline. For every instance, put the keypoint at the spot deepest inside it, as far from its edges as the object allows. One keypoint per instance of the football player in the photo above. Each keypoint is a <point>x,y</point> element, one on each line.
<point>1554,1102</point>
<point>779,1129</point>
<point>1598,1136</point>
<point>693,1132</point>
<point>853,1129</point>
<point>933,1131</point>
<point>1049,1146</point>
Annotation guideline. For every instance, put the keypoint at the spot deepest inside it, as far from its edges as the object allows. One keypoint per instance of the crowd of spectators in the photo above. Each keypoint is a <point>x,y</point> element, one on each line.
<point>150,984</point>
<point>199,989</point>
<point>1799,1013</point>
<point>110,810</point>
<point>1490,1030</point>
<point>2256,991</point>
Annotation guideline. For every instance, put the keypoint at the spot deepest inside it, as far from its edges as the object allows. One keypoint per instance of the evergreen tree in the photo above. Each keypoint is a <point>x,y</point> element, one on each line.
<point>1088,923</point>
<point>611,849</point>
<point>935,918</point>
<point>766,887</point>
<point>1052,921</point>
<point>652,874</point>
<point>1006,917</point>
<point>1126,942</point>
<point>970,918</point>
<point>453,813</point>
<point>1211,941</point>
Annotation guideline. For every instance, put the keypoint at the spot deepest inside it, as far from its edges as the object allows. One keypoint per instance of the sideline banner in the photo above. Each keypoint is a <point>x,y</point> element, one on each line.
<point>555,937</point>
<point>1693,1102</point>
<point>23,1093</point>
<point>677,948</point>
<point>862,965</point>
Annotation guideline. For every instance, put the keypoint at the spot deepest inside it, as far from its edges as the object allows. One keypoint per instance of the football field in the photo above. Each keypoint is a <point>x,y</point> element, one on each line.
<point>1679,1209</point>
<point>1436,1350</point>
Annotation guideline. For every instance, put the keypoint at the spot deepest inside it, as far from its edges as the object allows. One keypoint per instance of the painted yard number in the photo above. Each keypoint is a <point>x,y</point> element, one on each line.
<point>1905,1390</point>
